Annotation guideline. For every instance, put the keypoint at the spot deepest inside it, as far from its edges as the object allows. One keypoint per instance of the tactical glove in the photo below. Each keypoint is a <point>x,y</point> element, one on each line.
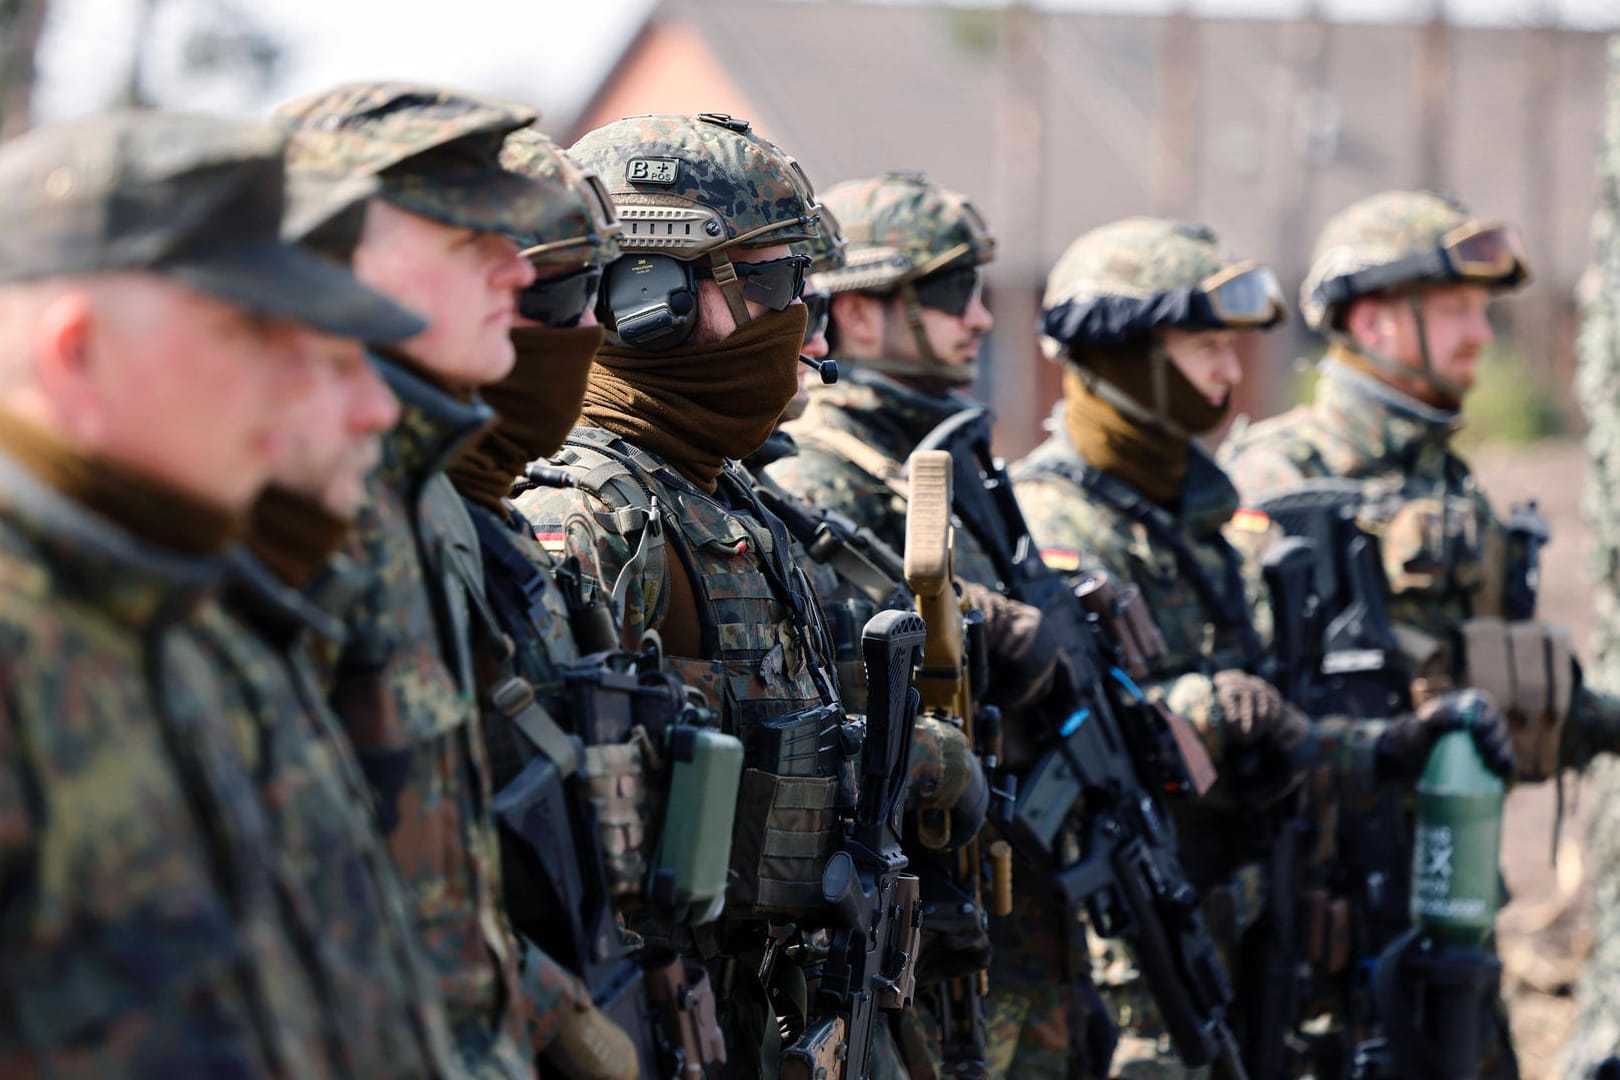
<point>1404,747</point>
<point>1256,713</point>
<point>1024,653</point>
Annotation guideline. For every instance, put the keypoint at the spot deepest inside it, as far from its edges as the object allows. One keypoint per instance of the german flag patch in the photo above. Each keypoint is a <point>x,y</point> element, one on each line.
<point>1254,521</point>
<point>1064,562</point>
<point>553,542</point>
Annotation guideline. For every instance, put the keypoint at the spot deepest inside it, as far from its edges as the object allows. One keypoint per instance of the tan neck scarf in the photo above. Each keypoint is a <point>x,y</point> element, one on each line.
<point>1152,461</point>
<point>293,535</point>
<point>537,405</point>
<point>148,507</point>
<point>697,405</point>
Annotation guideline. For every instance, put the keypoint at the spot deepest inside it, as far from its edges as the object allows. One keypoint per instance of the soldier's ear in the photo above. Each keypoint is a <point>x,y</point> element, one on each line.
<point>64,363</point>
<point>1368,321</point>
<point>859,319</point>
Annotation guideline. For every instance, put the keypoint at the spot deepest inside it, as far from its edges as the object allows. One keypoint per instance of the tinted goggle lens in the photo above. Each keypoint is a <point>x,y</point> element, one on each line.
<point>563,300</point>
<point>1245,296</point>
<point>1489,253</point>
<point>776,283</point>
<point>950,291</point>
<point>820,307</point>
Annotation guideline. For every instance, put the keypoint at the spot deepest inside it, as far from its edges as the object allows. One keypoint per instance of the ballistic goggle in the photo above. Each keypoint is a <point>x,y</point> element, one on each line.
<point>1482,253</point>
<point>1244,296</point>
<point>775,283</point>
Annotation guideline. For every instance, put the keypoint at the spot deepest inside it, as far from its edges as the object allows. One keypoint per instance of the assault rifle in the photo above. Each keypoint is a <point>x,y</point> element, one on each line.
<point>1338,654</point>
<point>851,549</point>
<point>1102,776</point>
<point>874,905</point>
<point>945,683</point>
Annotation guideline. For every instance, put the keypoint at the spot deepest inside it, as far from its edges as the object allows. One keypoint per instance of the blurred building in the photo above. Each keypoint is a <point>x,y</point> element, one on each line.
<point>1054,122</point>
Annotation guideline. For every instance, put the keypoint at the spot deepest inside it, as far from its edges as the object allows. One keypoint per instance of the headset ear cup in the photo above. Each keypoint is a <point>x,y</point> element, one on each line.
<point>649,301</point>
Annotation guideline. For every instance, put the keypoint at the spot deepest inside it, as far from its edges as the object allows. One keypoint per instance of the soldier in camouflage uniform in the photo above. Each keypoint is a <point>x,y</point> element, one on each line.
<point>1147,315</point>
<point>404,683</point>
<point>538,601</point>
<point>1400,284</point>
<point>156,920</point>
<point>701,360</point>
<point>384,1002</point>
<point>907,319</point>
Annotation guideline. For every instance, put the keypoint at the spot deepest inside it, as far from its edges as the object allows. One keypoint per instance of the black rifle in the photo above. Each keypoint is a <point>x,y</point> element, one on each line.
<point>1337,654</point>
<point>873,903</point>
<point>1110,775</point>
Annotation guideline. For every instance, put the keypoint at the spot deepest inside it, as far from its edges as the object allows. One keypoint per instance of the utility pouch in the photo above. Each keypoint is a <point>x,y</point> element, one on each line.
<point>791,788</point>
<point>1529,669</point>
<point>688,1024</point>
<point>687,879</point>
<point>620,784</point>
<point>845,620</point>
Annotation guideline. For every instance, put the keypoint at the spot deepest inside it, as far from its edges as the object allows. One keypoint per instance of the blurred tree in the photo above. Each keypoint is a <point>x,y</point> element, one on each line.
<point>20,24</point>
<point>218,41</point>
<point>1597,1029</point>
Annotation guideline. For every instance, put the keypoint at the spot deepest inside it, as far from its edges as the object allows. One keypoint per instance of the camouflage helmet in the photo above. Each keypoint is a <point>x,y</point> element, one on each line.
<point>687,186</point>
<point>1116,284</point>
<point>1401,239</point>
<point>580,227</point>
<point>828,250</point>
<point>902,227</point>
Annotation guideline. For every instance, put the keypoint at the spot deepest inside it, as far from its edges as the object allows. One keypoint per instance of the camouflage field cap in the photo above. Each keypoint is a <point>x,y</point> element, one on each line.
<point>901,227</point>
<point>199,199</point>
<point>435,152</point>
<point>1118,283</point>
<point>685,186</point>
<point>1398,240</point>
<point>327,215</point>
<point>580,226</point>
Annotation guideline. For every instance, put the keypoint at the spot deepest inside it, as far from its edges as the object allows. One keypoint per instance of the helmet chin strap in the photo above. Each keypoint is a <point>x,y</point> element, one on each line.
<point>928,366</point>
<point>1449,392</point>
<point>725,276</point>
<point>1158,417</point>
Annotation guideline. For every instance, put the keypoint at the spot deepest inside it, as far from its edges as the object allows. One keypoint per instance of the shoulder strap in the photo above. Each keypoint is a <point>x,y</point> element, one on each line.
<point>1227,607</point>
<point>852,449</point>
<point>510,695</point>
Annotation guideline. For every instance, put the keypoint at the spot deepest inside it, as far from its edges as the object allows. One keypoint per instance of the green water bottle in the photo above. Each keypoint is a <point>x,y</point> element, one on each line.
<point>1456,884</point>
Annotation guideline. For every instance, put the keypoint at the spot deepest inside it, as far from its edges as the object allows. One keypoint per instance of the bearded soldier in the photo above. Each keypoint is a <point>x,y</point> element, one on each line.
<point>1148,317</point>
<point>907,318</point>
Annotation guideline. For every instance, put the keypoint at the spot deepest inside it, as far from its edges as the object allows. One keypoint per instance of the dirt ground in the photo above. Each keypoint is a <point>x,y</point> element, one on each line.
<point>1545,933</point>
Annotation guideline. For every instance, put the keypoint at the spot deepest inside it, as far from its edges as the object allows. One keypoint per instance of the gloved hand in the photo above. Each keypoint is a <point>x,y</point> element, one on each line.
<point>1024,652</point>
<point>1257,714</point>
<point>590,1046</point>
<point>1404,747</point>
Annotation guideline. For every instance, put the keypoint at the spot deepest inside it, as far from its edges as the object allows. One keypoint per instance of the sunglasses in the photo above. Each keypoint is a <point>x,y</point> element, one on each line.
<point>950,291</point>
<point>820,307</point>
<point>775,283</point>
<point>563,300</point>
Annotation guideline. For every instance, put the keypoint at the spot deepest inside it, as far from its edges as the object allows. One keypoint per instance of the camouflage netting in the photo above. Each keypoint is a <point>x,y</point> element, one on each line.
<point>1597,1030</point>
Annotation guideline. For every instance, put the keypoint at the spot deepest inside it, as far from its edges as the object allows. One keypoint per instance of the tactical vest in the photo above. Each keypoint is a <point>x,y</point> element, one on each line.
<point>765,660</point>
<point>1178,556</point>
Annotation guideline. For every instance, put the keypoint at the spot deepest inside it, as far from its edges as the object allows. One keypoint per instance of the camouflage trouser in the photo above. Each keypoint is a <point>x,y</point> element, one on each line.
<point>886,1061</point>
<point>1028,1032</point>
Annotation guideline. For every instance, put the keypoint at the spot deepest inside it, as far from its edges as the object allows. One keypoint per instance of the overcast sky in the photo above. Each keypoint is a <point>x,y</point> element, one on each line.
<point>549,52</point>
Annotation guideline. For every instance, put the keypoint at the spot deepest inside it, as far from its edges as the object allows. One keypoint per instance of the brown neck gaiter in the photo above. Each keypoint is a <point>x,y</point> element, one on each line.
<point>697,405</point>
<point>1148,458</point>
<point>293,534</point>
<point>147,507</point>
<point>537,404</point>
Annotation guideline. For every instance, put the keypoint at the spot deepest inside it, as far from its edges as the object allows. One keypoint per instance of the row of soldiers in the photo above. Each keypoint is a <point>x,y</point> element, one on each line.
<point>427,651</point>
